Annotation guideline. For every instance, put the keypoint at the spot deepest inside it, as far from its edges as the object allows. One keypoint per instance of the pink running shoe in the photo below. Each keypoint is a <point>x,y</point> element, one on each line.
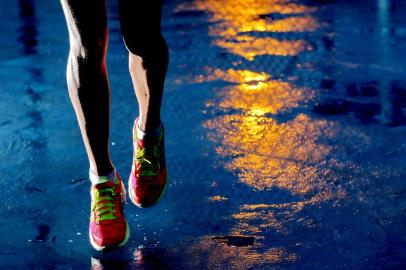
<point>148,179</point>
<point>108,226</point>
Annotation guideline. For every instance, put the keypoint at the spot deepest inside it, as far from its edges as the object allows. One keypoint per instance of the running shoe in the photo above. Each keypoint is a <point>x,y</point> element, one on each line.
<point>148,179</point>
<point>108,227</point>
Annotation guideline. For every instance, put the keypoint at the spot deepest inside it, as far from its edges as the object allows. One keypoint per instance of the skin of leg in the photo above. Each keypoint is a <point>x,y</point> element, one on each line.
<point>148,56</point>
<point>87,79</point>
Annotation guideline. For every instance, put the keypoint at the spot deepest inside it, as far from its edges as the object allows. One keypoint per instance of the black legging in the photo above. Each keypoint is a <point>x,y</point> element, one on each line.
<point>141,26</point>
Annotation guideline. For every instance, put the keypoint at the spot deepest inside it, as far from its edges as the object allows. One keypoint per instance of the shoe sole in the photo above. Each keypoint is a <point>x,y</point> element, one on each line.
<point>127,228</point>
<point>131,195</point>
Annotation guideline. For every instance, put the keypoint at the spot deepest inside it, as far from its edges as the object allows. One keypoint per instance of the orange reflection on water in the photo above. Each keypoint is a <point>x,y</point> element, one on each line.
<point>263,97</point>
<point>266,155</point>
<point>240,13</point>
<point>217,198</point>
<point>291,24</point>
<point>233,75</point>
<point>254,92</point>
<point>254,222</point>
<point>270,154</point>
<point>250,47</point>
<point>223,256</point>
<point>234,20</point>
<point>254,219</point>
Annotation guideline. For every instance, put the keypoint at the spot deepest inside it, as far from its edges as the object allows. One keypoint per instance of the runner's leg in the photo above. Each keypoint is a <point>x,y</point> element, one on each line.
<point>87,77</point>
<point>148,57</point>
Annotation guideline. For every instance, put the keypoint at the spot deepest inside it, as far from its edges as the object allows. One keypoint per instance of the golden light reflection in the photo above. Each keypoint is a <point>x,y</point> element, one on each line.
<point>235,20</point>
<point>229,9</point>
<point>265,97</point>
<point>254,92</point>
<point>254,219</point>
<point>217,198</point>
<point>223,256</point>
<point>268,154</point>
<point>251,47</point>
<point>233,75</point>
<point>290,156</point>
<point>291,24</point>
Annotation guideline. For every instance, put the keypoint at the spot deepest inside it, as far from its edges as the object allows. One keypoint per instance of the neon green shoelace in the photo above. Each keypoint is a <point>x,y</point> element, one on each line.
<point>149,162</point>
<point>104,205</point>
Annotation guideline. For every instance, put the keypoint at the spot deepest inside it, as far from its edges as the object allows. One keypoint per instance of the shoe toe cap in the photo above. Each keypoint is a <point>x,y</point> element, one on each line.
<point>105,235</point>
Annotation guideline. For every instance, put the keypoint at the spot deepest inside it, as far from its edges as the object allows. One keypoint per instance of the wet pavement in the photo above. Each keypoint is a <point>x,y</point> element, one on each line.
<point>286,127</point>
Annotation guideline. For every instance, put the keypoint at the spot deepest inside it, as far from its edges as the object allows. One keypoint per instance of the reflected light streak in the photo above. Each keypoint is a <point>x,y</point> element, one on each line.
<point>246,10</point>
<point>217,198</point>
<point>250,47</point>
<point>243,257</point>
<point>268,154</point>
<point>235,20</point>
<point>265,154</point>
<point>291,24</point>
<point>264,97</point>
<point>233,76</point>
<point>254,92</point>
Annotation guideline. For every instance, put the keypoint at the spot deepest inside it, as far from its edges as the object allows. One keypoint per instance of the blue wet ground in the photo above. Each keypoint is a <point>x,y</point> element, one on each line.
<point>285,124</point>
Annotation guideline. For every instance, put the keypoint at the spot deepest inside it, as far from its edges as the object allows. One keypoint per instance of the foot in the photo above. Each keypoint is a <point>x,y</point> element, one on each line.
<point>108,226</point>
<point>148,177</point>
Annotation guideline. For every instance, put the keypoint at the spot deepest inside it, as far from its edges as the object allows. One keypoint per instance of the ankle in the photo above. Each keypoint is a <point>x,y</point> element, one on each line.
<point>97,178</point>
<point>149,125</point>
<point>142,132</point>
<point>102,166</point>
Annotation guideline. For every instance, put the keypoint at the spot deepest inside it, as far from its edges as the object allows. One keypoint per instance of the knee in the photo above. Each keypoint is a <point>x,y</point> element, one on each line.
<point>147,46</point>
<point>90,49</point>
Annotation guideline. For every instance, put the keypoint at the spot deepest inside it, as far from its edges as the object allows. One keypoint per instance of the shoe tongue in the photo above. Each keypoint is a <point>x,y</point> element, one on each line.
<point>147,141</point>
<point>105,185</point>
